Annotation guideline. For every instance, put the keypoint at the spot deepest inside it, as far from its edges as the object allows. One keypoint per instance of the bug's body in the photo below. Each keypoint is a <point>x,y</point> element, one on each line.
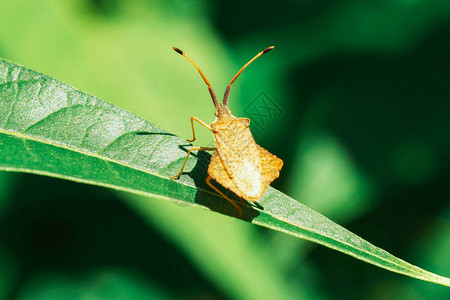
<point>238,163</point>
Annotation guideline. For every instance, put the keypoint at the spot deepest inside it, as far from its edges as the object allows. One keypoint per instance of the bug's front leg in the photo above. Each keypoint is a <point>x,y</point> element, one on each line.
<point>192,124</point>
<point>187,156</point>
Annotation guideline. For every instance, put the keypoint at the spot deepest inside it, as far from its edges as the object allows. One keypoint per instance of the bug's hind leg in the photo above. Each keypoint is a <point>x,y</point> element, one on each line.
<point>187,156</point>
<point>208,181</point>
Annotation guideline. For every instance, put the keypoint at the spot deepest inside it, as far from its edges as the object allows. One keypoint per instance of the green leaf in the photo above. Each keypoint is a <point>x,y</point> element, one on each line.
<point>50,128</point>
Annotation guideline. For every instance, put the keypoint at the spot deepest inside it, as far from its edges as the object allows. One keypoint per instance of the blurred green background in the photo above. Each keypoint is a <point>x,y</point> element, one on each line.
<point>363,92</point>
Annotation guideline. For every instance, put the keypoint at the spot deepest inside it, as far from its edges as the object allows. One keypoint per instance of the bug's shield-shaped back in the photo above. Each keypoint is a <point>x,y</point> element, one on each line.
<point>239,164</point>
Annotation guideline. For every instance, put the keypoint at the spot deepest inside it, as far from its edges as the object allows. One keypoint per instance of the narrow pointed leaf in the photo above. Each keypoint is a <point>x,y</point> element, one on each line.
<point>49,128</point>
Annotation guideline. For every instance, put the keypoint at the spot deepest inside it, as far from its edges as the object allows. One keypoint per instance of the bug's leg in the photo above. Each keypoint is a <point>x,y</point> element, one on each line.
<point>192,124</point>
<point>187,156</point>
<point>208,181</point>
<point>242,201</point>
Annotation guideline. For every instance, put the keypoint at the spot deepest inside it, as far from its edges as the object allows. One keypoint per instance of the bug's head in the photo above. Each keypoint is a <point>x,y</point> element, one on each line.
<point>222,108</point>
<point>222,111</point>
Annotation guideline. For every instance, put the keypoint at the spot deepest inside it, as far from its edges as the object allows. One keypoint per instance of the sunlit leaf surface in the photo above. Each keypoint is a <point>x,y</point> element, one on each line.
<point>50,128</point>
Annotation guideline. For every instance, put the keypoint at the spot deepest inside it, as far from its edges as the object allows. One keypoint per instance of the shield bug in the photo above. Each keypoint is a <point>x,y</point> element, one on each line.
<point>238,163</point>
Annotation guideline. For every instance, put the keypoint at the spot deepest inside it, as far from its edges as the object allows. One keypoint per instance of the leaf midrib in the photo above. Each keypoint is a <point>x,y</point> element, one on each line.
<point>91,154</point>
<point>22,136</point>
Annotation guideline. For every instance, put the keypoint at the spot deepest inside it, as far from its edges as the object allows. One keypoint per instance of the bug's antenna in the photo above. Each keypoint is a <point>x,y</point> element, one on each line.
<point>227,91</point>
<point>211,91</point>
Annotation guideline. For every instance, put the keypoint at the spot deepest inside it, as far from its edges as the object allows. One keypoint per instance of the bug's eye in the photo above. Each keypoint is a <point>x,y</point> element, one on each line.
<point>247,122</point>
